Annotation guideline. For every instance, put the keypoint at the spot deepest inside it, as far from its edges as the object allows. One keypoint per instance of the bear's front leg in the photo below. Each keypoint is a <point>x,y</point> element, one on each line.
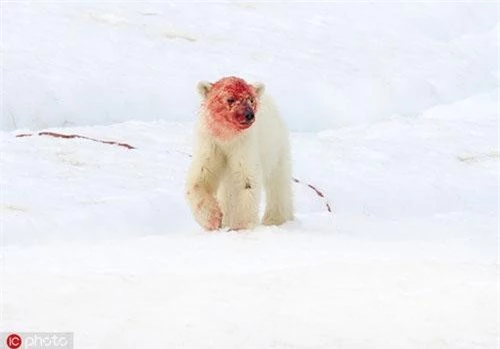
<point>205,208</point>
<point>246,184</point>
<point>202,182</point>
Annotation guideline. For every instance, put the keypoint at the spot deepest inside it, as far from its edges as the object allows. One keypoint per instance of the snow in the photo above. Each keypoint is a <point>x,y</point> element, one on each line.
<point>394,113</point>
<point>101,63</point>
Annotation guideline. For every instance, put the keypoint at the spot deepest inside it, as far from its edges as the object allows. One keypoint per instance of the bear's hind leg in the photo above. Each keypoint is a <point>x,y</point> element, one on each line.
<point>279,197</point>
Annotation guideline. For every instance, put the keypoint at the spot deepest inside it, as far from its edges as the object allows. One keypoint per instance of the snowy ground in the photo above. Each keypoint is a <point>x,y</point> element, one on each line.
<point>395,114</point>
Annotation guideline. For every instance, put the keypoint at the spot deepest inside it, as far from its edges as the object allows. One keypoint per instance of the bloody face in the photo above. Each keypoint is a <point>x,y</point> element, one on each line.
<point>231,105</point>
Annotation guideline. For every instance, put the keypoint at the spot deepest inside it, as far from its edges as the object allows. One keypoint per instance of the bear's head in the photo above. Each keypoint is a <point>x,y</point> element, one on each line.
<point>229,105</point>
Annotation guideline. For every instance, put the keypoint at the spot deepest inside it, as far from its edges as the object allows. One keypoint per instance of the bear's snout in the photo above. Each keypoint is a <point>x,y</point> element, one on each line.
<point>249,115</point>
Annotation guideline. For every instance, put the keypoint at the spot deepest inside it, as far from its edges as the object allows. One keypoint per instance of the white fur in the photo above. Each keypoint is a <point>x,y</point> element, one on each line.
<point>226,178</point>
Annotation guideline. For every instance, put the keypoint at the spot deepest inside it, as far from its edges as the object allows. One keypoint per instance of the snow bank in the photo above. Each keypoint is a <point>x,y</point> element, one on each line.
<point>328,64</point>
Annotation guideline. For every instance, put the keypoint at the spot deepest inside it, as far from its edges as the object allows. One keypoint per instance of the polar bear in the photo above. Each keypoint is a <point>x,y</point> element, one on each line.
<point>242,146</point>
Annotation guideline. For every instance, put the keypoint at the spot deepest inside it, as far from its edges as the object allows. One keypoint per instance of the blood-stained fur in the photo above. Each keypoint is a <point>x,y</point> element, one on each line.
<point>242,148</point>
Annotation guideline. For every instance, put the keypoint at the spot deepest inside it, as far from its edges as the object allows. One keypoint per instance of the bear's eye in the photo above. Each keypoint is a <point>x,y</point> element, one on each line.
<point>231,100</point>
<point>251,100</point>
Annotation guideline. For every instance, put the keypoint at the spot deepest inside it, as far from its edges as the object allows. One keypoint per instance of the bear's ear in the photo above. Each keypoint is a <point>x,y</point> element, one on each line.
<point>259,88</point>
<point>204,88</point>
